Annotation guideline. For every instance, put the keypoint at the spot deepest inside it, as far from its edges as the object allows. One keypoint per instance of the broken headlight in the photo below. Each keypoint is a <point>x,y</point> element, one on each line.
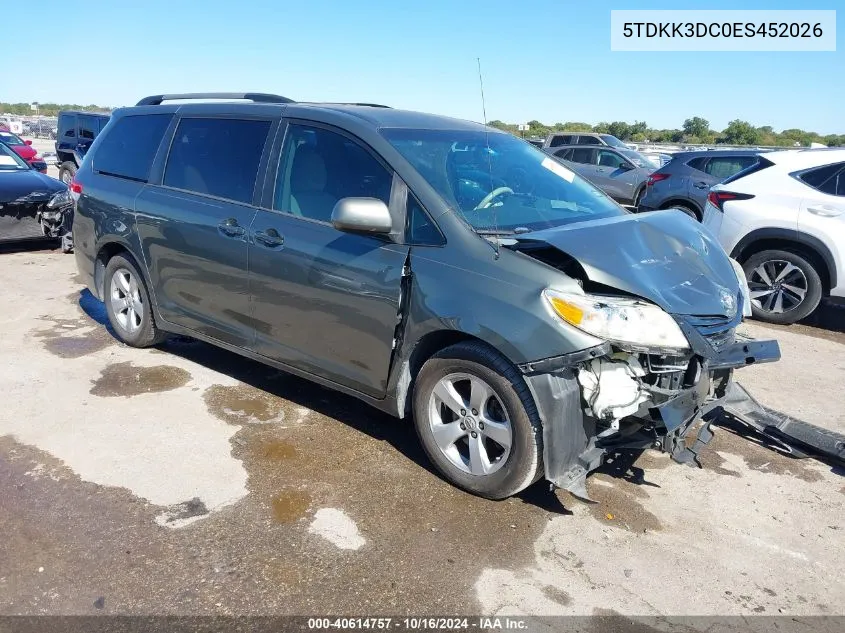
<point>60,199</point>
<point>743,287</point>
<point>630,322</point>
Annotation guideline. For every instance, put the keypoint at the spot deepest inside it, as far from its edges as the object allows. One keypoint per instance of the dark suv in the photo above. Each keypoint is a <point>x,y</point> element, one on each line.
<point>76,131</point>
<point>434,268</point>
<point>684,182</point>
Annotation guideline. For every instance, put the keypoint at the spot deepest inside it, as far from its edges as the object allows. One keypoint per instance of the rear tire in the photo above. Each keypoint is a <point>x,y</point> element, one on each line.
<point>128,303</point>
<point>784,281</point>
<point>67,171</point>
<point>685,209</point>
<point>499,449</point>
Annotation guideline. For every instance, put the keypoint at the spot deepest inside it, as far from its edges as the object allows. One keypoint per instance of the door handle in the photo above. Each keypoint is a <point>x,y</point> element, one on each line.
<point>269,238</point>
<point>230,228</point>
<point>701,185</point>
<point>825,211</point>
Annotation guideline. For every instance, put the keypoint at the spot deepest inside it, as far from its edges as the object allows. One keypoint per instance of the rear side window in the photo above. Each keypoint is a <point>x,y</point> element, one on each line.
<point>88,127</point>
<point>561,139</point>
<point>588,140</point>
<point>829,179</point>
<point>584,155</point>
<point>565,154</point>
<point>760,164</point>
<point>128,149</point>
<point>216,157</point>
<point>725,167</point>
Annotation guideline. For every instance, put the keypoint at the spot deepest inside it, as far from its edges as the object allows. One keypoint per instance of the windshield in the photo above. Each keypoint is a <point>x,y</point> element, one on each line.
<point>635,157</point>
<point>498,182</point>
<point>10,139</point>
<point>612,141</point>
<point>9,161</point>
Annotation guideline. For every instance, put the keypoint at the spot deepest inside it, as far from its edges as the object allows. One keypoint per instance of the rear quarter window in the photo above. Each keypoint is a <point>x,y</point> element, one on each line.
<point>697,163</point>
<point>829,179</point>
<point>128,149</point>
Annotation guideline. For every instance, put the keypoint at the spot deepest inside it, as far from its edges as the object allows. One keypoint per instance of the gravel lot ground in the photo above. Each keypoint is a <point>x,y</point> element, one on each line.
<point>187,480</point>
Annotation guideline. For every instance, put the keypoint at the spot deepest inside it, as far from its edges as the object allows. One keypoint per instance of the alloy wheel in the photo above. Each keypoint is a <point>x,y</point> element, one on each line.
<point>469,424</point>
<point>777,286</point>
<point>126,302</point>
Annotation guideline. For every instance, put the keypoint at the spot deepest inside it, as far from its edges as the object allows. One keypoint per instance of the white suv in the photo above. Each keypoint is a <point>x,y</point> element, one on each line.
<point>784,221</point>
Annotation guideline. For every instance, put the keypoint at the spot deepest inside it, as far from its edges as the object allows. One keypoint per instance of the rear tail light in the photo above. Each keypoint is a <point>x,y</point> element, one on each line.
<point>656,177</point>
<point>719,198</point>
<point>75,189</point>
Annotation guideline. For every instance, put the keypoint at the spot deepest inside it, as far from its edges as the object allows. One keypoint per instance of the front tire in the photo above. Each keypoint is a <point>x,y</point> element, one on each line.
<point>784,286</point>
<point>477,421</point>
<point>128,303</point>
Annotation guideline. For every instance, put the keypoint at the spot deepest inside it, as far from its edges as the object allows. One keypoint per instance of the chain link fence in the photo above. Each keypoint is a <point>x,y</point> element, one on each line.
<point>43,127</point>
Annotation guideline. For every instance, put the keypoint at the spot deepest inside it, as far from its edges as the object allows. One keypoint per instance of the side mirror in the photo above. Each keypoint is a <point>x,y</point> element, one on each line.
<point>28,142</point>
<point>365,215</point>
<point>626,166</point>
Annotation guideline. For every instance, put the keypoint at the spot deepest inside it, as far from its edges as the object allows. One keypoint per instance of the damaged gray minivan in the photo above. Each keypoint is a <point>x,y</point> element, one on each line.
<point>434,268</point>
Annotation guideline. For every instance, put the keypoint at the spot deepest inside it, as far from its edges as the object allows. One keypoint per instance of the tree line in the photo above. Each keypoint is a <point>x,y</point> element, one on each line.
<point>47,109</point>
<point>695,130</point>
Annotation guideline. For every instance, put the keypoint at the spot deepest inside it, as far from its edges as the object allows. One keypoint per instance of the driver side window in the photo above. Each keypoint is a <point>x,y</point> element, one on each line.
<point>610,159</point>
<point>318,167</point>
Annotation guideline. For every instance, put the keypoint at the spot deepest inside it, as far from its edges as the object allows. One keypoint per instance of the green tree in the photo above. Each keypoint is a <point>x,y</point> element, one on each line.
<point>697,126</point>
<point>619,129</point>
<point>740,133</point>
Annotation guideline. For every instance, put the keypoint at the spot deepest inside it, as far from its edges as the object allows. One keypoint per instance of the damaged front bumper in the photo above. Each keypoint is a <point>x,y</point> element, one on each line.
<point>601,400</point>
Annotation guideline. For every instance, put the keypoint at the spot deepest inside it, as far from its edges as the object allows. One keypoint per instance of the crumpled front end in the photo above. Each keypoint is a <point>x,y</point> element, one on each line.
<point>608,398</point>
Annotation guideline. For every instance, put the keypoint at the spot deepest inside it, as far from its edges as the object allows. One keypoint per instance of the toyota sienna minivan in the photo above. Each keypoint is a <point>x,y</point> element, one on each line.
<point>437,269</point>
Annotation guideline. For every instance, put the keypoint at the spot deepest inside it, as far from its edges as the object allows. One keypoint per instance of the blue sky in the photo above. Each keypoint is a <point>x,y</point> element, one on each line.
<point>542,59</point>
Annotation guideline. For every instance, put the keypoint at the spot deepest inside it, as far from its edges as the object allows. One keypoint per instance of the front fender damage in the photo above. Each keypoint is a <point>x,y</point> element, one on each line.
<point>593,405</point>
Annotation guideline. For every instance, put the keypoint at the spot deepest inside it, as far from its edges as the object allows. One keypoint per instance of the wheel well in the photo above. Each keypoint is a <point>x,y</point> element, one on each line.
<point>804,250</point>
<point>107,251</point>
<point>682,203</point>
<point>424,349</point>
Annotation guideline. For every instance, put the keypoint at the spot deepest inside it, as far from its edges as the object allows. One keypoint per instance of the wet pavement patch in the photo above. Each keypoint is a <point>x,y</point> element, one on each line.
<point>125,379</point>
<point>243,404</point>
<point>180,513</point>
<point>761,458</point>
<point>277,450</point>
<point>63,338</point>
<point>558,595</point>
<point>619,506</point>
<point>290,505</point>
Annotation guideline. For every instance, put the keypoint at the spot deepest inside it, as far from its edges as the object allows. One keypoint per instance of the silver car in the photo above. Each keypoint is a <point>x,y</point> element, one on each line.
<point>620,173</point>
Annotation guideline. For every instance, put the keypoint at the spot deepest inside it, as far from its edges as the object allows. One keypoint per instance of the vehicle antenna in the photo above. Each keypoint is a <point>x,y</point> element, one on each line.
<point>489,155</point>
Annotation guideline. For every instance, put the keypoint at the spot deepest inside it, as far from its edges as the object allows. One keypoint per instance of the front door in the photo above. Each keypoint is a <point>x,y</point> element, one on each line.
<point>194,226</point>
<point>615,175</point>
<point>325,301</point>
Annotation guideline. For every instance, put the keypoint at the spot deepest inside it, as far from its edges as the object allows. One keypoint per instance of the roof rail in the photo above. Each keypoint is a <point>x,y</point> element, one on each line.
<point>257,97</point>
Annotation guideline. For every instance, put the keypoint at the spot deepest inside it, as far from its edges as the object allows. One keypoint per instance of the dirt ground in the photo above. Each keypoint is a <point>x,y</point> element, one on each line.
<point>187,480</point>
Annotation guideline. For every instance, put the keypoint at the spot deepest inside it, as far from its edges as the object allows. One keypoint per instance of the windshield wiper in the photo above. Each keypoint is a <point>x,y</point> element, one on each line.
<point>517,231</point>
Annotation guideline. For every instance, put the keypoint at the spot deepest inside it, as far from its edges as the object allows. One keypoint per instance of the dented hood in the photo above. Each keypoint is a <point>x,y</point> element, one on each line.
<point>663,256</point>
